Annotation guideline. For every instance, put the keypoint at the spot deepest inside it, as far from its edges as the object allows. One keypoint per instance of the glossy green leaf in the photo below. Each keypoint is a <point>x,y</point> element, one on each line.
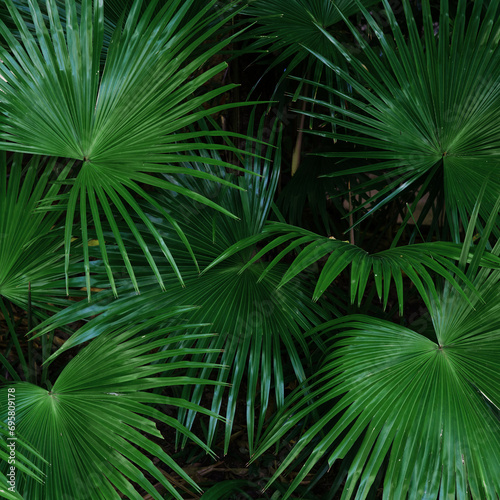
<point>93,429</point>
<point>420,413</point>
<point>31,241</point>
<point>13,455</point>
<point>259,327</point>
<point>289,28</point>
<point>416,261</point>
<point>422,107</point>
<point>122,125</point>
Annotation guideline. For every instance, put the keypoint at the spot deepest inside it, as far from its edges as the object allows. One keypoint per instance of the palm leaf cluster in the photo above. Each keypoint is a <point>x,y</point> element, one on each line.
<point>259,329</point>
<point>424,411</point>
<point>385,266</point>
<point>32,239</point>
<point>89,428</point>
<point>171,305</point>
<point>292,28</point>
<point>22,463</point>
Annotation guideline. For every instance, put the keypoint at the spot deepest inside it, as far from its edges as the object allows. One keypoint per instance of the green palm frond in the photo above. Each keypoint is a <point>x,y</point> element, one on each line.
<point>261,159</point>
<point>259,328</point>
<point>32,270</point>
<point>122,126</point>
<point>425,413</point>
<point>417,261</point>
<point>292,27</point>
<point>424,106</point>
<point>97,414</point>
<point>114,11</point>
<point>420,414</point>
<point>260,331</point>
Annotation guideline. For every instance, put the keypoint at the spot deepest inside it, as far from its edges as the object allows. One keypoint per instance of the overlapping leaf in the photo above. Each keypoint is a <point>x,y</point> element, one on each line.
<point>123,125</point>
<point>292,27</point>
<point>426,412</point>
<point>421,415</point>
<point>114,10</point>
<point>32,274</point>
<point>12,454</point>
<point>416,261</point>
<point>92,422</point>
<point>259,328</point>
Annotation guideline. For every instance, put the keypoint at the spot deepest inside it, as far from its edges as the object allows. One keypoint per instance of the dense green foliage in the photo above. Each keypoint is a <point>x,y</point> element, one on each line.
<point>319,272</point>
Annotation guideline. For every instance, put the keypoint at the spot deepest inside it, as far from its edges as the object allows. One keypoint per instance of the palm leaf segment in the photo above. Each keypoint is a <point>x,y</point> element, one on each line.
<point>427,414</point>
<point>89,427</point>
<point>113,12</point>
<point>292,27</point>
<point>31,246</point>
<point>123,124</point>
<point>260,328</point>
<point>13,452</point>
<point>425,105</point>
<point>416,261</point>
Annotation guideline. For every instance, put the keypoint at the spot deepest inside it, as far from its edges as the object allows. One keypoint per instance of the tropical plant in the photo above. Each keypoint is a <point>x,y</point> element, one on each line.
<point>259,329</point>
<point>89,428</point>
<point>292,28</point>
<point>75,113</point>
<point>424,110</point>
<point>417,415</point>
<point>121,123</point>
<point>32,275</point>
<point>385,266</point>
<point>10,452</point>
<point>31,242</point>
<point>159,255</point>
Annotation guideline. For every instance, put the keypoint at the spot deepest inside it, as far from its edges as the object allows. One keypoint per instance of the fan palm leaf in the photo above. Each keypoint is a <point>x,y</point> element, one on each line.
<point>92,421</point>
<point>32,274</point>
<point>114,11</point>
<point>31,243</point>
<point>292,28</point>
<point>289,29</point>
<point>424,106</point>
<point>122,125</point>
<point>259,329</point>
<point>421,413</point>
